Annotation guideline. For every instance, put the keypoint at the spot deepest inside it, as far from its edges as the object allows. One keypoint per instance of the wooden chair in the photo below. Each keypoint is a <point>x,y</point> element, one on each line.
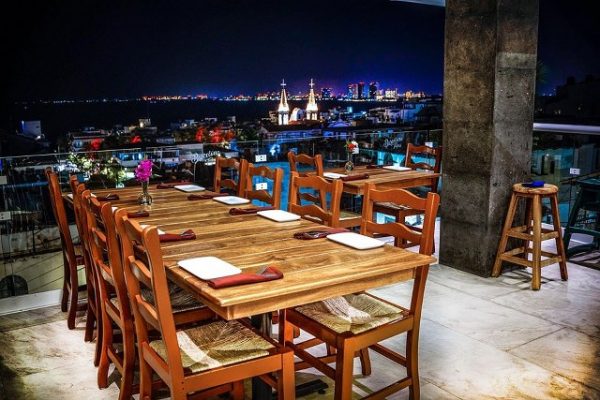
<point>399,211</point>
<point>316,211</point>
<point>180,357</point>
<point>314,163</point>
<point>229,183</point>
<point>92,319</point>
<point>366,320</point>
<point>114,302</point>
<point>72,264</point>
<point>276,177</point>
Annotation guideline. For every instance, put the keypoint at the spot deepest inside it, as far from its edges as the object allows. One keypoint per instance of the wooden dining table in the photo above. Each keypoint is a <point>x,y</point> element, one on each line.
<point>384,178</point>
<point>313,270</point>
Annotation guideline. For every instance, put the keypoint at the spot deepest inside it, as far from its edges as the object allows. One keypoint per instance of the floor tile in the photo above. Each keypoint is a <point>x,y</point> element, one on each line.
<point>566,352</point>
<point>477,318</point>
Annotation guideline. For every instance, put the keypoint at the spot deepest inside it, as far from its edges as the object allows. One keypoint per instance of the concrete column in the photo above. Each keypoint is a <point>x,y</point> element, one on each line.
<point>489,86</point>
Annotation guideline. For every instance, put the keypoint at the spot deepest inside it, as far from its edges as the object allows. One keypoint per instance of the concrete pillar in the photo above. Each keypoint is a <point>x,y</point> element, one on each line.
<point>489,86</point>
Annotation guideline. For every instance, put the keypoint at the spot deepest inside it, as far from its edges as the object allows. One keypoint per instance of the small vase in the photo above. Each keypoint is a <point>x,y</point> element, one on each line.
<point>349,166</point>
<point>144,199</point>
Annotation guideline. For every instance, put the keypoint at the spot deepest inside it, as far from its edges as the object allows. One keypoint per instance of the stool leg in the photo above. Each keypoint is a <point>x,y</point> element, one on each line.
<point>537,243</point>
<point>528,221</point>
<point>504,237</point>
<point>560,246</point>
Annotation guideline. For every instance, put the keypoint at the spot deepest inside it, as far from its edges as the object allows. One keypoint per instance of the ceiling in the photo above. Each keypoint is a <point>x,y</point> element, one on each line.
<point>439,3</point>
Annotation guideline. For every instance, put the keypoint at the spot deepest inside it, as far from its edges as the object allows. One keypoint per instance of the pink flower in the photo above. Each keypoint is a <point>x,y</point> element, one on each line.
<point>143,172</point>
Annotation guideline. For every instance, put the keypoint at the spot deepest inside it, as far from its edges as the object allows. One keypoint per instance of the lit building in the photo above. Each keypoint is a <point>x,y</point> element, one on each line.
<point>352,91</point>
<point>312,111</point>
<point>326,93</point>
<point>391,94</point>
<point>373,90</point>
<point>361,90</point>
<point>283,112</point>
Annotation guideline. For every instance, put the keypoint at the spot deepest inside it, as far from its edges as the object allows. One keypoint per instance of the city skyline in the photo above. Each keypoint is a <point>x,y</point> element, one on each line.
<point>94,50</point>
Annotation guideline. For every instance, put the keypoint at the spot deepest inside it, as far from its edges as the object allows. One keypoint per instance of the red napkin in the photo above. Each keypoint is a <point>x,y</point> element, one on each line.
<point>269,274</point>
<point>249,210</point>
<point>170,185</point>
<point>138,214</point>
<point>175,237</point>
<point>356,177</point>
<point>108,197</point>
<point>318,233</point>
<point>205,196</point>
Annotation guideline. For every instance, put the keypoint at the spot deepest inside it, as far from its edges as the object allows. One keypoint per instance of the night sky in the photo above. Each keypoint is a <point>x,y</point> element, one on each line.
<point>84,49</point>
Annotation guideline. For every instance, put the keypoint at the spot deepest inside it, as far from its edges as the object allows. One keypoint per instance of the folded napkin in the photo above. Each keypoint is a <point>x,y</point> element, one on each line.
<point>268,274</point>
<point>249,210</point>
<point>108,197</point>
<point>206,196</point>
<point>138,214</point>
<point>340,307</point>
<point>356,177</point>
<point>174,237</point>
<point>318,234</point>
<point>170,185</point>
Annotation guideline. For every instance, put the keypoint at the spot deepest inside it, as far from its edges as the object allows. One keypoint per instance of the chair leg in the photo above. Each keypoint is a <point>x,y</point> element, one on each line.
<point>412,364</point>
<point>145,380</point>
<point>99,339</point>
<point>104,361</point>
<point>343,371</point>
<point>89,322</point>
<point>286,388</point>
<point>365,362</point>
<point>64,300</point>
<point>126,390</point>
<point>74,295</point>
<point>238,390</point>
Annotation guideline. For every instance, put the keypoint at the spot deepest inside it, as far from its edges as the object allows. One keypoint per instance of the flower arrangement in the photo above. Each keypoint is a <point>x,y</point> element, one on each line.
<point>143,172</point>
<point>351,147</point>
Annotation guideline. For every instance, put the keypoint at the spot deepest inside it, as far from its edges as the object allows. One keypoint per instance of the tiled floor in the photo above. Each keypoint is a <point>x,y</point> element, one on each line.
<point>480,339</point>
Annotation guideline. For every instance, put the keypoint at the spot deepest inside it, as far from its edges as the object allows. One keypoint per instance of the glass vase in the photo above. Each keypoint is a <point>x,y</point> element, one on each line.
<point>349,166</point>
<point>144,199</point>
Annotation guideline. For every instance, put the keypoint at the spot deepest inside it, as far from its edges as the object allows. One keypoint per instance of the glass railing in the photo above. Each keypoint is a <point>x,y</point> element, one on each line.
<point>29,239</point>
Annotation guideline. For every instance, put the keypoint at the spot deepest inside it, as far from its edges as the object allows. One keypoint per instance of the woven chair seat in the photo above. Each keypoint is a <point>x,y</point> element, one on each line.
<point>215,345</point>
<point>348,215</point>
<point>355,313</point>
<point>181,300</point>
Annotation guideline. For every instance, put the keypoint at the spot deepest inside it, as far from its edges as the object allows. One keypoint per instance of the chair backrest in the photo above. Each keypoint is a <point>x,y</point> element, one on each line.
<point>60,214</point>
<point>77,189</point>
<point>143,267</point>
<point>318,213</point>
<point>105,252</point>
<point>219,183</point>
<point>315,162</point>
<point>400,231</point>
<point>436,152</point>
<point>275,175</point>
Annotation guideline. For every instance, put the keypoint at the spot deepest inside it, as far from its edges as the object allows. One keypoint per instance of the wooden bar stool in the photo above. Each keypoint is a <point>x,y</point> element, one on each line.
<point>533,232</point>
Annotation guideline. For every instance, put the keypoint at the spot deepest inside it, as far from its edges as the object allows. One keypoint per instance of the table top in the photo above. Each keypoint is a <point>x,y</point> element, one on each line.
<point>384,178</point>
<point>313,269</point>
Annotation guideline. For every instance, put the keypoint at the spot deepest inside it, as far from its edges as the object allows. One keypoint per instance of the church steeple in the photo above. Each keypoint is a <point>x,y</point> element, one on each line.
<point>312,110</point>
<point>284,109</point>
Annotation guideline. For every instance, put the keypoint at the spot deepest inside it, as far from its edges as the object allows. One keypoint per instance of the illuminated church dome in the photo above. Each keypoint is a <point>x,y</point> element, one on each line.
<point>284,109</point>
<point>312,110</point>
